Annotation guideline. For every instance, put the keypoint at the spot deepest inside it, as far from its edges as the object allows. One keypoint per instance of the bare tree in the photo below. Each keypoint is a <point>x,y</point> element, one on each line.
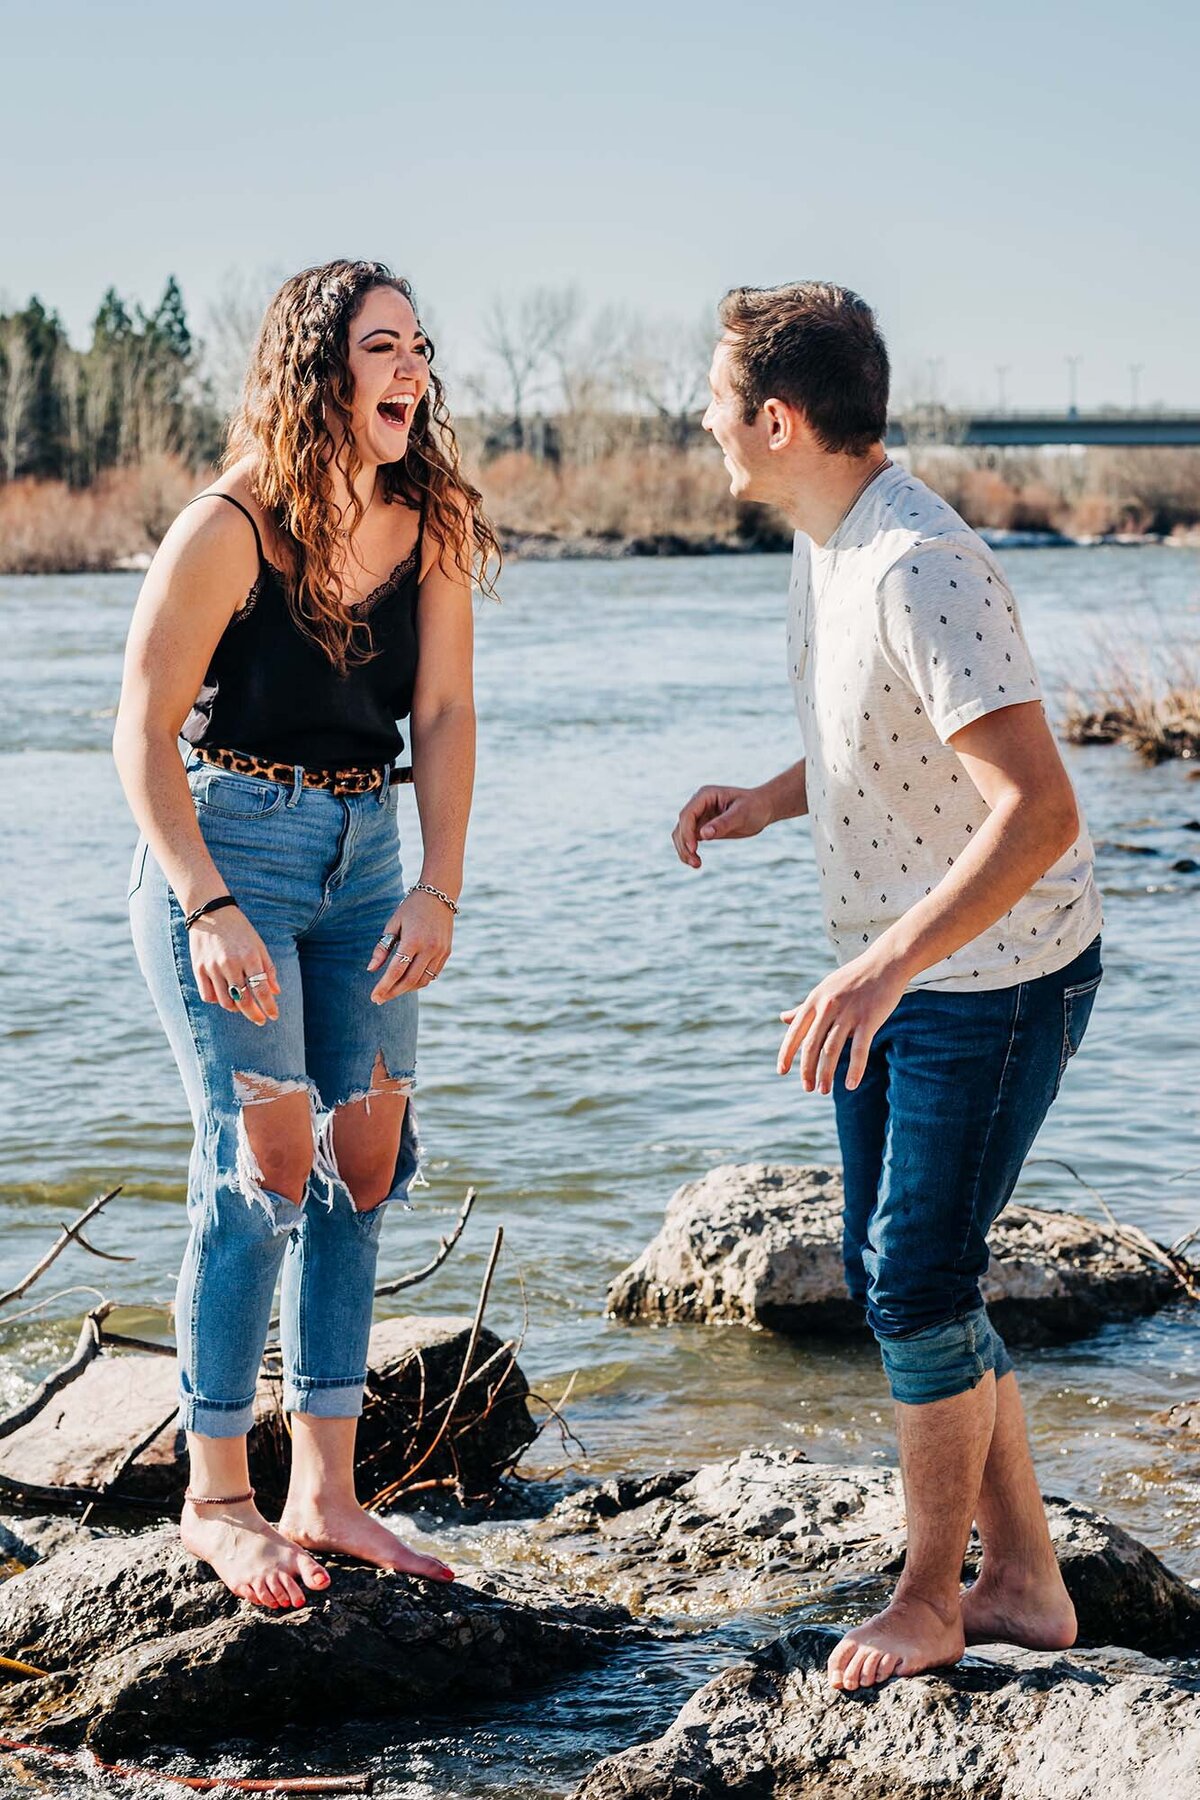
<point>19,375</point>
<point>230,328</point>
<point>524,341</point>
<point>667,362</point>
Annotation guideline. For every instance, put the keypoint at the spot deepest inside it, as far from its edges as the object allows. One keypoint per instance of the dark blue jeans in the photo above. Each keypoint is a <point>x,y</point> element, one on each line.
<point>933,1139</point>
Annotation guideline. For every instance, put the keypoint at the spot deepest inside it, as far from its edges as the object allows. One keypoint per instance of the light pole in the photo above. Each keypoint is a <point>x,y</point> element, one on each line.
<point>1135,374</point>
<point>1072,363</point>
<point>1001,395</point>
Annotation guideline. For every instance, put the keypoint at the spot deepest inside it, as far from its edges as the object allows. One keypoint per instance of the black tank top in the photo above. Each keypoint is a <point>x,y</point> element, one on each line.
<point>273,693</point>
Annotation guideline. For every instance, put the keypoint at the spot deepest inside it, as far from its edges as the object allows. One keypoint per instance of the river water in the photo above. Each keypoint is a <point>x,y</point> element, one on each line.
<point>606,1030</point>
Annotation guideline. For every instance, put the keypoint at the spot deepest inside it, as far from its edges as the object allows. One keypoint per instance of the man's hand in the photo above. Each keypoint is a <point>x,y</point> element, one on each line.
<point>720,812</point>
<point>852,1003</point>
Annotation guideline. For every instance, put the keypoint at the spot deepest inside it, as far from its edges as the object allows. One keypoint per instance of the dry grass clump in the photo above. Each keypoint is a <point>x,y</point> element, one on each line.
<point>48,528</point>
<point>631,494</point>
<point>1093,493</point>
<point>1155,713</point>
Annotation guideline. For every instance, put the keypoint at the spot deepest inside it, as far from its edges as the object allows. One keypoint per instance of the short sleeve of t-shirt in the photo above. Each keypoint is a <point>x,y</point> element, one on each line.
<point>949,625</point>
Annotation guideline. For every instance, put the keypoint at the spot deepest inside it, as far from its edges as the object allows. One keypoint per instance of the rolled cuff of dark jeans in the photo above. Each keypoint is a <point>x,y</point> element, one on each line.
<point>943,1360</point>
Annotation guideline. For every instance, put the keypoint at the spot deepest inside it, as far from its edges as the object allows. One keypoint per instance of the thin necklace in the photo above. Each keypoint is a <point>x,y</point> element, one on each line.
<point>809,597</point>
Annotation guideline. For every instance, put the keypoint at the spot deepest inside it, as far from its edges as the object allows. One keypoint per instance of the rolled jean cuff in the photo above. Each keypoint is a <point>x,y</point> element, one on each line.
<point>324,1399</point>
<point>943,1360</point>
<point>215,1418</point>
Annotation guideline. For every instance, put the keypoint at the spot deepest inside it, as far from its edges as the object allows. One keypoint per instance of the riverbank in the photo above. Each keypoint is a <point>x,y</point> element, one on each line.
<point>635,503</point>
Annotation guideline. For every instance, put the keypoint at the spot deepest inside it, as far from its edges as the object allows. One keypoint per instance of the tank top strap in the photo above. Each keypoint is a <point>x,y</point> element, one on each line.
<point>242,509</point>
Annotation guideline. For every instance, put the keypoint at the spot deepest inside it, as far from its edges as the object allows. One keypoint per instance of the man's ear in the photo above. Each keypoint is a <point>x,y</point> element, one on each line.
<point>781,424</point>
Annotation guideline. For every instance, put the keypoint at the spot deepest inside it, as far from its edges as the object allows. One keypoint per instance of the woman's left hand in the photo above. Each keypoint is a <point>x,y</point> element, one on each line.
<point>415,947</point>
<point>851,1004</point>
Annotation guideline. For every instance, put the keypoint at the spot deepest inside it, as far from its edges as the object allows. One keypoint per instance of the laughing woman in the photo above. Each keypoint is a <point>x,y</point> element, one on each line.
<point>318,592</point>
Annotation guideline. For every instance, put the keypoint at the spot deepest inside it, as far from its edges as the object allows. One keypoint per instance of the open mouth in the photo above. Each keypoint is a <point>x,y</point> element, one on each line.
<point>398,411</point>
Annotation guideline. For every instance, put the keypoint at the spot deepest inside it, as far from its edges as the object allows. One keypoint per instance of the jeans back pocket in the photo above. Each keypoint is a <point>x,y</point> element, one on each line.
<point>1077,1010</point>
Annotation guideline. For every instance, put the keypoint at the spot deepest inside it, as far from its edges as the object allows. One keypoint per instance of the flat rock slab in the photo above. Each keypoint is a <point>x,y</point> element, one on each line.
<point>769,1528</point>
<point>84,1437</point>
<point>1003,1725</point>
<point>760,1244</point>
<point>143,1645</point>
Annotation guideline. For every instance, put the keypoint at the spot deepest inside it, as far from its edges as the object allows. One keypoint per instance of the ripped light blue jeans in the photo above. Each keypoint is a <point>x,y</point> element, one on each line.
<point>318,876</point>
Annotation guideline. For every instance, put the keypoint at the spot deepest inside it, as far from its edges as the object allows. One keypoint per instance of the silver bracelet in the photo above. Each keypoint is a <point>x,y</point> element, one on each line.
<point>423,887</point>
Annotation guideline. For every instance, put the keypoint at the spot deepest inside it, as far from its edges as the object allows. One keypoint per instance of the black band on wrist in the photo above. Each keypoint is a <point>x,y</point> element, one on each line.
<point>210,906</point>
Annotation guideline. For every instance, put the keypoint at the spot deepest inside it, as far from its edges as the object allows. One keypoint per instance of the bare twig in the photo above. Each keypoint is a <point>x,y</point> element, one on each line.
<point>69,1233</point>
<point>27,1312</point>
<point>131,1456</point>
<point>1133,1237</point>
<point>447,1244</point>
<point>397,1487</point>
<point>406,1281</point>
<point>555,1412</point>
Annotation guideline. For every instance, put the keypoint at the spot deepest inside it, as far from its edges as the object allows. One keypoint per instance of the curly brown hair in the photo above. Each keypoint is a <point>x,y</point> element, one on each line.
<point>299,382</point>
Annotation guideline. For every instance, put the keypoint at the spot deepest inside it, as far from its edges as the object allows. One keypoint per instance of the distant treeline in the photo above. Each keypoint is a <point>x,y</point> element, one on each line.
<point>136,392</point>
<point>581,426</point>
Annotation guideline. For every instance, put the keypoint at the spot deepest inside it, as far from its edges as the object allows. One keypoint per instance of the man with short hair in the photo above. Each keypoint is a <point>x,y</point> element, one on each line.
<point>956,877</point>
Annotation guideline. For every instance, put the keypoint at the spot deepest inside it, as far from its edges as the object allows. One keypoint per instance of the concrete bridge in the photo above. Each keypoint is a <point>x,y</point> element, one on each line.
<point>1011,430</point>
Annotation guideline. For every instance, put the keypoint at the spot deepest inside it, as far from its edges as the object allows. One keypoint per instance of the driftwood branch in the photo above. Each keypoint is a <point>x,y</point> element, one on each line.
<point>69,1234</point>
<point>446,1246</point>
<point>148,1345</point>
<point>201,1784</point>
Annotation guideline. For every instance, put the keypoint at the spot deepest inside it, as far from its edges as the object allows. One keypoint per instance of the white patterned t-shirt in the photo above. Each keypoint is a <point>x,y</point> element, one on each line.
<point>902,630</point>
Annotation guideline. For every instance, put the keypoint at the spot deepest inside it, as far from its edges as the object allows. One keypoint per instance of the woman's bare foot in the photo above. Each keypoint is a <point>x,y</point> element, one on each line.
<point>255,1561</point>
<point>1009,1608</point>
<point>344,1526</point>
<point>909,1636</point>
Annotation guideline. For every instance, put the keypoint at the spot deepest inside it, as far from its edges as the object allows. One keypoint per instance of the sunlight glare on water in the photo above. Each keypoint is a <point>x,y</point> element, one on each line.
<point>606,1030</point>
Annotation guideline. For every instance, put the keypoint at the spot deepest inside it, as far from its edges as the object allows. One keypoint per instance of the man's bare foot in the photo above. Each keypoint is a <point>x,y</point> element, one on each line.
<point>255,1561</point>
<point>1009,1608</point>
<point>341,1525</point>
<point>909,1636</point>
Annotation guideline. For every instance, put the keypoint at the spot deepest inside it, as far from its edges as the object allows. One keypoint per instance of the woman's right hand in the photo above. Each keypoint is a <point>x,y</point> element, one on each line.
<point>720,812</point>
<point>226,952</point>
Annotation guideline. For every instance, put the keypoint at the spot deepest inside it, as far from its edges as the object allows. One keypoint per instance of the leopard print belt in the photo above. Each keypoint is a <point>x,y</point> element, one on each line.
<point>335,781</point>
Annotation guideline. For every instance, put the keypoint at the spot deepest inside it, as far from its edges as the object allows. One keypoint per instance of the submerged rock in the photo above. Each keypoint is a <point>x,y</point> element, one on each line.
<point>85,1436</point>
<point>143,1645</point>
<point>769,1528</point>
<point>1004,1725</point>
<point>1183,1416</point>
<point>760,1244</point>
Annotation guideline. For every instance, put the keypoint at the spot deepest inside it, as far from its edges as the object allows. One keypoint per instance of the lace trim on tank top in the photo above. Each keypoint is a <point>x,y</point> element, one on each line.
<point>358,607</point>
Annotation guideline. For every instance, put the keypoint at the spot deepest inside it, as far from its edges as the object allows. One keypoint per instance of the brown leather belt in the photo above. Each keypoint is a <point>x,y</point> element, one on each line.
<point>344,782</point>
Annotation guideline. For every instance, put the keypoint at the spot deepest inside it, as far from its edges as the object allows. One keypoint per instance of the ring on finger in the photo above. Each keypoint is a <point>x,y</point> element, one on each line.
<point>406,959</point>
<point>236,994</point>
<point>253,981</point>
<point>388,938</point>
<point>431,974</point>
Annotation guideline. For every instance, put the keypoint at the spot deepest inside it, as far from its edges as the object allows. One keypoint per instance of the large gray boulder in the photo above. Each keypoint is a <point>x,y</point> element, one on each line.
<point>1003,1725</point>
<point>123,1400</point>
<point>769,1529</point>
<point>760,1244</point>
<point>143,1645</point>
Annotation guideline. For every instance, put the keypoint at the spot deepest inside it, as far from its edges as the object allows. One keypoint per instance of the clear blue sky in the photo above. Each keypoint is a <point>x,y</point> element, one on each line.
<point>1007,184</point>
